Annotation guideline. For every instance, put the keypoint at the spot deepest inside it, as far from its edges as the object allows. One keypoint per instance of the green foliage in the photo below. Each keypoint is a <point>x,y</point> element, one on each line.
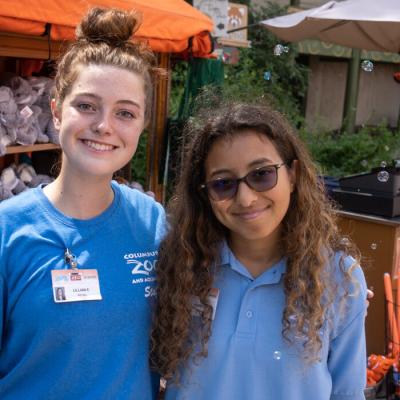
<point>287,87</point>
<point>341,154</point>
<point>138,162</point>
<point>338,154</point>
<point>178,81</point>
<point>245,81</point>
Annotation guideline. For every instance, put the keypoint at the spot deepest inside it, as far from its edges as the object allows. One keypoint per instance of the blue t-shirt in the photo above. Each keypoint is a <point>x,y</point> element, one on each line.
<point>87,349</point>
<point>248,359</point>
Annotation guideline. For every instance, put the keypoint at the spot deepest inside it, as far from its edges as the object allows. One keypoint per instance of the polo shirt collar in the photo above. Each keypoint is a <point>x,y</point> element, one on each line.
<point>272,275</point>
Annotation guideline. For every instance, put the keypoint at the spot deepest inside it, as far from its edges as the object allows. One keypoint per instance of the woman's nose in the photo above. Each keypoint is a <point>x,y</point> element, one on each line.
<point>103,125</point>
<point>245,196</point>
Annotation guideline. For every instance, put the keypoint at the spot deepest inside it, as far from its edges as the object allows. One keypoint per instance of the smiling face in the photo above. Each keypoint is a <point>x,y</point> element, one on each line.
<point>100,120</point>
<point>249,215</point>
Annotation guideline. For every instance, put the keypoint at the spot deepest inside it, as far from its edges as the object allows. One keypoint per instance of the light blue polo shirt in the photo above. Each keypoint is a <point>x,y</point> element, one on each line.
<point>248,358</point>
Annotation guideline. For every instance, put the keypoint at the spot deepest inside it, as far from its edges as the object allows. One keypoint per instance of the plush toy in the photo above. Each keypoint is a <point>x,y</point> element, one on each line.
<point>24,95</point>
<point>5,193</point>
<point>8,118</point>
<point>29,177</point>
<point>4,140</point>
<point>17,178</point>
<point>11,182</point>
<point>44,87</point>
<point>25,115</point>
<point>28,127</point>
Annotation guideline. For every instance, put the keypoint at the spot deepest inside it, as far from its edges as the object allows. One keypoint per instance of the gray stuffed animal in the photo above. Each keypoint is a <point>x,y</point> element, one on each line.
<point>29,177</point>
<point>28,131</point>
<point>4,192</point>
<point>11,182</point>
<point>44,87</point>
<point>8,119</point>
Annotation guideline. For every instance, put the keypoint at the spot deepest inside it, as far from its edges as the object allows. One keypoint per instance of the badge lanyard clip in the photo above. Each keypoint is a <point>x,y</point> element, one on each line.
<point>70,259</point>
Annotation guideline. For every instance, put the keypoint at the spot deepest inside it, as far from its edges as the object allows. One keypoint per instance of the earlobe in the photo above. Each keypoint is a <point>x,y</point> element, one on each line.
<point>56,114</point>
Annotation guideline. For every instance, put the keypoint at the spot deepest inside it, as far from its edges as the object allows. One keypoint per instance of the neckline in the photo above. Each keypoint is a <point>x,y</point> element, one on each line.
<point>54,212</point>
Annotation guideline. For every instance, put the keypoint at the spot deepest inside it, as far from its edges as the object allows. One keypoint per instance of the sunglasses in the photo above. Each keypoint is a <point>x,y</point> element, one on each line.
<point>259,179</point>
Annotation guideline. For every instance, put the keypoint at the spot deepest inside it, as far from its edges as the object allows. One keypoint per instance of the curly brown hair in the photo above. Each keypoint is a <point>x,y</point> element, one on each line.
<point>105,36</point>
<point>310,237</point>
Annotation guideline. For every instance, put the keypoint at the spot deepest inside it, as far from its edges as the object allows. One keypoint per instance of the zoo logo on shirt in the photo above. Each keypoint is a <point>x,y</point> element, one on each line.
<point>143,269</point>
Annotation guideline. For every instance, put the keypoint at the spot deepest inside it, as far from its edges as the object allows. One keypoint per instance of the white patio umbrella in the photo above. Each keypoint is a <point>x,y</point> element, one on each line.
<point>363,24</point>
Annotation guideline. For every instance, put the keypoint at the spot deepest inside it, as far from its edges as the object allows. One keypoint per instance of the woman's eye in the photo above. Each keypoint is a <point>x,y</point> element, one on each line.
<point>223,183</point>
<point>85,107</point>
<point>263,171</point>
<point>126,114</point>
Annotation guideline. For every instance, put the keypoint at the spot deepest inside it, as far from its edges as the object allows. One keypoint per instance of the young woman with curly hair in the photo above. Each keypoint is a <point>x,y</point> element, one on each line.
<point>259,297</point>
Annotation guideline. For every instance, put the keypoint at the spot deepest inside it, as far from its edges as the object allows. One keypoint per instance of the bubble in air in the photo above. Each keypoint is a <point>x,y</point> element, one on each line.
<point>383,176</point>
<point>280,49</point>
<point>383,164</point>
<point>267,75</point>
<point>367,66</point>
<point>364,163</point>
<point>277,355</point>
<point>374,246</point>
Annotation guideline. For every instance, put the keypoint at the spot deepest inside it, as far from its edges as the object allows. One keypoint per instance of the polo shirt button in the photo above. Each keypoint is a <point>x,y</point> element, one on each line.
<point>277,355</point>
<point>249,314</point>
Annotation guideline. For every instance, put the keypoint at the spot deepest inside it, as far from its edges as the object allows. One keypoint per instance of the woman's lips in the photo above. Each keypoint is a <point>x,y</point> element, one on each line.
<point>96,146</point>
<point>249,215</point>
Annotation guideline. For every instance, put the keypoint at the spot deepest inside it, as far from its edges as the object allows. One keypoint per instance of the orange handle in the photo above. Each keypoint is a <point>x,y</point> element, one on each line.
<point>391,314</point>
<point>397,304</point>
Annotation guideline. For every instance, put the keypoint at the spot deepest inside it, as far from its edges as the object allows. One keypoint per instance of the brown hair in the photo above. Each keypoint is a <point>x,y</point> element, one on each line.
<point>104,37</point>
<point>185,266</point>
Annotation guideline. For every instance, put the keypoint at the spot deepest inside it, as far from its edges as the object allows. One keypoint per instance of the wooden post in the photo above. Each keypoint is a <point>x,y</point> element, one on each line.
<point>350,102</point>
<point>157,130</point>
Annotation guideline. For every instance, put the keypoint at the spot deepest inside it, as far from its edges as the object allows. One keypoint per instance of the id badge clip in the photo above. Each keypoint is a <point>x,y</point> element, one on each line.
<point>74,284</point>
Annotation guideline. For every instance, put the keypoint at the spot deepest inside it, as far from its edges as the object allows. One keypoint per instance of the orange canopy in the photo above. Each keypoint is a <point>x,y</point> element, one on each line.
<point>167,24</point>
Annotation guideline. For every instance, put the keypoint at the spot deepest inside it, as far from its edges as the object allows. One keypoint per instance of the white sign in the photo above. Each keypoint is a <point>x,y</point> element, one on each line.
<point>217,10</point>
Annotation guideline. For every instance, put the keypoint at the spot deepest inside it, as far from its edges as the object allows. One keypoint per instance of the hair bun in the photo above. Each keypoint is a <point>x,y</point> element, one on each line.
<point>109,25</point>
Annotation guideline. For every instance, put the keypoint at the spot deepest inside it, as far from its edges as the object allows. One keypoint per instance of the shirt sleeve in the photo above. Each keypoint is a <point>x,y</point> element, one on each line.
<point>2,309</point>
<point>347,360</point>
<point>155,383</point>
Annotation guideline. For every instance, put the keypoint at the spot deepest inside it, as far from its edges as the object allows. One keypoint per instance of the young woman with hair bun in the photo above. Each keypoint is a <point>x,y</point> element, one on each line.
<point>84,235</point>
<point>259,297</point>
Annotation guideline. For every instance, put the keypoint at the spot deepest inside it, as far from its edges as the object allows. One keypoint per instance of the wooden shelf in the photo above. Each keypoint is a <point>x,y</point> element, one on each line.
<point>21,46</point>
<point>34,147</point>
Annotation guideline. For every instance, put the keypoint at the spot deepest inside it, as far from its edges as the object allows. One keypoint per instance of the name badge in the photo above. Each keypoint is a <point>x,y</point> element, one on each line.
<point>212,300</point>
<point>75,285</point>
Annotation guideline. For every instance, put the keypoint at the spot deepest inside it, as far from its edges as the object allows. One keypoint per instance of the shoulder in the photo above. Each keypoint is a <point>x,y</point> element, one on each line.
<point>17,216</point>
<point>140,207</point>
<point>136,198</point>
<point>19,204</point>
<point>347,269</point>
<point>350,291</point>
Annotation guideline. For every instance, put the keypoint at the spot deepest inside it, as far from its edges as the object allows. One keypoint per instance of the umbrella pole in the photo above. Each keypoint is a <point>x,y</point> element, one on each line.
<point>350,101</point>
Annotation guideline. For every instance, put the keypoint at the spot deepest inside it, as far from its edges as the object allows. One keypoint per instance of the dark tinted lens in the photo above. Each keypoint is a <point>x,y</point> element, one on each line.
<point>262,179</point>
<point>222,189</point>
